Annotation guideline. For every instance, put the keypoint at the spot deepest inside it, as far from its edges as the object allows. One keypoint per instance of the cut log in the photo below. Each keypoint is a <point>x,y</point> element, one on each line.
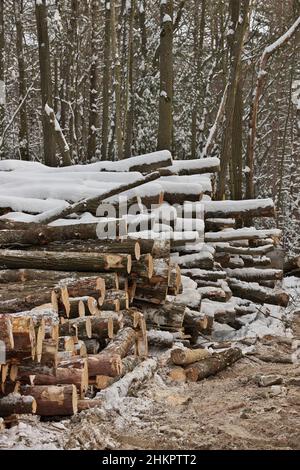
<point>79,327</point>
<point>65,261</point>
<point>64,376</point>
<point>122,342</point>
<point>217,224</point>
<point>241,234</point>
<point>105,324</point>
<point>292,264</point>
<point>101,382</point>
<point>6,332</point>
<point>24,339</point>
<point>92,204</point>
<point>167,316</point>
<point>215,293</point>
<point>66,343</point>
<point>104,364</point>
<point>203,260</point>
<point>203,275</point>
<point>240,209</point>
<point>240,250</point>
<point>157,248</point>
<point>92,345</point>
<point>22,275</point>
<point>177,193</point>
<point>115,300</point>
<point>213,364</point>
<point>14,403</point>
<point>196,323</point>
<point>192,167</point>
<point>49,353</point>
<point>254,274</point>
<point>258,294</point>
<point>143,267</point>
<point>53,400</point>
<point>185,356</point>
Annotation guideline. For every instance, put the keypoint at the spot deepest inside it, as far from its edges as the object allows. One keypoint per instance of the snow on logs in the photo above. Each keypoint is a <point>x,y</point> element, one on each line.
<point>239,209</point>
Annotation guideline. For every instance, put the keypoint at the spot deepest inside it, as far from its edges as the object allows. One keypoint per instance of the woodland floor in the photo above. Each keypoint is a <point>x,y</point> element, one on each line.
<point>228,411</point>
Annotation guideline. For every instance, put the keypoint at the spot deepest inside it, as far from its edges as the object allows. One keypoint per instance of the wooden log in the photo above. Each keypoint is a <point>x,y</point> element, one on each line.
<point>92,204</point>
<point>101,382</point>
<point>104,364</point>
<point>14,403</point>
<point>122,342</point>
<point>177,193</point>
<point>215,293</point>
<point>254,274</point>
<point>212,364</point>
<point>66,343</point>
<point>152,293</point>
<point>24,339</point>
<point>92,345</point>
<point>185,356</point>
<point>196,323</point>
<point>64,376</point>
<point>14,298</point>
<point>115,300</point>
<point>22,275</point>
<point>143,267</point>
<point>157,248</point>
<point>292,264</point>
<point>240,250</point>
<point>241,234</point>
<point>80,327</point>
<point>167,316</point>
<point>85,287</point>
<point>35,235</point>
<point>258,294</point>
<point>203,260</point>
<point>203,274</point>
<point>80,349</point>
<point>217,224</point>
<point>53,400</point>
<point>105,324</point>
<point>192,167</point>
<point>254,261</point>
<point>239,209</point>
<point>6,332</point>
<point>65,261</point>
<point>49,353</point>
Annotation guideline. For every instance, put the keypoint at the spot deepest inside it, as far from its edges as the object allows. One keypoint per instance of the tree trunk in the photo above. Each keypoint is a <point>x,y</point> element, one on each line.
<point>213,364</point>
<point>46,79</point>
<point>106,80</point>
<point>165,128</point>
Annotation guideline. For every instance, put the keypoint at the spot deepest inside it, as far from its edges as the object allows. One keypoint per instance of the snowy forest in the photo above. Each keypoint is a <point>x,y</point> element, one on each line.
<point>127,77</point>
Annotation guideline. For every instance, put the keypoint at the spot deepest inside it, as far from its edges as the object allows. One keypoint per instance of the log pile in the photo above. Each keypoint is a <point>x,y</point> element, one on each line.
<point>80,288</point>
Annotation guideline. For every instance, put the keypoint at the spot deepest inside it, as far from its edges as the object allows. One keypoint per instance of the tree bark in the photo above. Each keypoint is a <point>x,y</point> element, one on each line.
<point>213,364</point>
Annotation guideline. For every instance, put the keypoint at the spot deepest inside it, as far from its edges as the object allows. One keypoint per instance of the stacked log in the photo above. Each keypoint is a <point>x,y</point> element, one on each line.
<point>77,298</point>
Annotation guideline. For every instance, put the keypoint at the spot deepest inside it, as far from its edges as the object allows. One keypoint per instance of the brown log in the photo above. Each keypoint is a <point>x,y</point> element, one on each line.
<point>65,261</point>
<point>185,356</point>
<point>80,349</point>
<point>203,274</point>
<point>53,400</point>
<point>14,298</point>
<point>6,332</point>
<point>104,364</point>
<point>87,404</point>
<point>196,323</point>
<point>168,316</point>
<point>239,209</point>
<point>152,293</point>
<point>115,300</point>
<point>178,193</point>
<point>105,324</point>
<point>92,345</point>
<point>103,381</point>
<point>122,342</point>
<point>49,353</point>
<point>212,364</point>
<point>292,264</point>
<point>22,275</point>
<point>217,224</point>
<point>24,339</point>
<point>143,267</point>
<point>66,343</point>
<point>80,327</point>
<point>215,293</point>
<point>192,167</point>
<point>156,248</point>
<point>240,250</point>
<point>64,376</point>
<point>258,294</point>
<point>14,403</point>
<point>202,260</point>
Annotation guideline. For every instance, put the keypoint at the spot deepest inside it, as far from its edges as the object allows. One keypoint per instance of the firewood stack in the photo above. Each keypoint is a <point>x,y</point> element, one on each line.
<point>76,300</point>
